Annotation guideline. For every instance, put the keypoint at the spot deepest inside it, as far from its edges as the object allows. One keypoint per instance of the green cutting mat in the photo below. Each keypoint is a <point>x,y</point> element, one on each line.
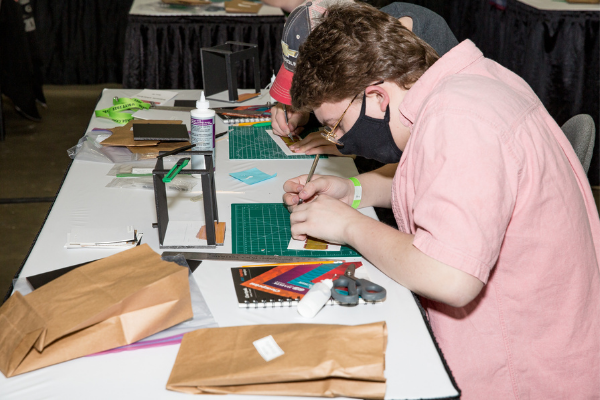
<point>265,229</point>
<point>253,143</point>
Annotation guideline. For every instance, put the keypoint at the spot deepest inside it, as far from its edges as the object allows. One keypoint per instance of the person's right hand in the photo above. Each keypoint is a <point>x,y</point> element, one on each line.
<point>296,120</point>
<point>296,188</point>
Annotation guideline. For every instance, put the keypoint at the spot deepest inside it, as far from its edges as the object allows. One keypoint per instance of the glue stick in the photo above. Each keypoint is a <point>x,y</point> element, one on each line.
<point>315,298</point>
<point>203,131</point>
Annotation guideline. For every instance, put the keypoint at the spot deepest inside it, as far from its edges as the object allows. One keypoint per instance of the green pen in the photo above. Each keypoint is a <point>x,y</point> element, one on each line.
<point>263,124</point>
<point>267,123</point>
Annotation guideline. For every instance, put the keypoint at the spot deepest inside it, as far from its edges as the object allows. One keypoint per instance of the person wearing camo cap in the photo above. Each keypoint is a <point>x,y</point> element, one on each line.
<point>426,24</point>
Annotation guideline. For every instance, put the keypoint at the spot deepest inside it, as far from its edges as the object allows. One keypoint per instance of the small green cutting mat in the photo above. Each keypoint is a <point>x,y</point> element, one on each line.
<point>253,143</point>
<point>265,229</point>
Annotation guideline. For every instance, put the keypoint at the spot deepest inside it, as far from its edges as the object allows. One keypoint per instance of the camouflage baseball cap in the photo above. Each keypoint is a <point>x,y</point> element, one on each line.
<point>298,26</point>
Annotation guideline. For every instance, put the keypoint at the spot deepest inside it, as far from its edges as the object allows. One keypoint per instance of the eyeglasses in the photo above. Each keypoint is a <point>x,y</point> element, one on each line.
<point>329,133</point>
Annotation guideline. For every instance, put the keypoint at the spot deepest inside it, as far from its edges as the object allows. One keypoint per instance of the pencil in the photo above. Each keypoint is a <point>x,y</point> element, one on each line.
<point>310,174</point>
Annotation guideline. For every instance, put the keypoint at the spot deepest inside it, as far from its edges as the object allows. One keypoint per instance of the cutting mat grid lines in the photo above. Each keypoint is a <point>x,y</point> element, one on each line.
<point>253,143</point>
<point>265,229</point>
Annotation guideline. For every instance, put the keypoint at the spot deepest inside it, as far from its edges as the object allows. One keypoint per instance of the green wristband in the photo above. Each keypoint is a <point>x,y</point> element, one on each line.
<point>357,192</point>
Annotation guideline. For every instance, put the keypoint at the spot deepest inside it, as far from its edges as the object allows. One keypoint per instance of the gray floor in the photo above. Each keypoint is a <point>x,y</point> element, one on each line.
<point>33,160</point>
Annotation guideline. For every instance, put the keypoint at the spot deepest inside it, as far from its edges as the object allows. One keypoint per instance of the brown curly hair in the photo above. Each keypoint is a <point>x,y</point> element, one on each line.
<point>353,46</point>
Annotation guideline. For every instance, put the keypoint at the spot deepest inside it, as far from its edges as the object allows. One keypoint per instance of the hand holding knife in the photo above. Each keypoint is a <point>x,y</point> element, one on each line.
<point>290,135</point>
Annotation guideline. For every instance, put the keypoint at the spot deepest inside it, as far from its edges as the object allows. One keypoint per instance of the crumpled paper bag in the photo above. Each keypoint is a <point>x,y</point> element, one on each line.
<point>105,304</point>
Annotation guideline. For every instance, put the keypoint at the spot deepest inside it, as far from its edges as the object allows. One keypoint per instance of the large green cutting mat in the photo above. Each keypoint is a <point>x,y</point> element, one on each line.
<point>265,229</point>
<point>253,143</point>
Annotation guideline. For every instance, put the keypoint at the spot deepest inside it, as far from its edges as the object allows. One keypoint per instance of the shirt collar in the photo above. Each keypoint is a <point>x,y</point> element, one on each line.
<point>457,59</point>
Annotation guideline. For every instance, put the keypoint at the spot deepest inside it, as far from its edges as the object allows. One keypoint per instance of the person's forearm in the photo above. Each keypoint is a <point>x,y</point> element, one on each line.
<point>377,186</point>
<point>394,254</point>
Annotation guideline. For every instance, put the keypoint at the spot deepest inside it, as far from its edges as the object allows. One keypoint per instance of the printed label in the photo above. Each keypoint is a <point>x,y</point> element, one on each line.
<point>268,348</point>
<point>203,134</point>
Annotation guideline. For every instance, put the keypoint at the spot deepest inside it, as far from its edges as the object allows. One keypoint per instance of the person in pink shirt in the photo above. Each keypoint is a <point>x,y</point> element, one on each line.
<point>499,232</point>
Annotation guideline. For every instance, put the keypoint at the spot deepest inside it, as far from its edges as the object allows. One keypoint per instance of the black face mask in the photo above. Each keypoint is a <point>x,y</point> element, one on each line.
<point>371,138</point>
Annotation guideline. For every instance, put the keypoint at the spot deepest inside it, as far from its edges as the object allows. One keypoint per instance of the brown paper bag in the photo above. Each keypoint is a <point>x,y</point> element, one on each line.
<point>102,305</point>
<point>318,360</point>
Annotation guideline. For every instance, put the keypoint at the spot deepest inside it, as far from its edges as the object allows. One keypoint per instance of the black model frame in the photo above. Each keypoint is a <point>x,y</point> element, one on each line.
<point>207,176</point>
<point>223,58</point>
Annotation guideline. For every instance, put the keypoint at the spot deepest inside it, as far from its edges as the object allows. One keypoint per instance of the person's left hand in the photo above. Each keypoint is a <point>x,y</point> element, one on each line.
<point>324,218</point>
<point>315,143</point>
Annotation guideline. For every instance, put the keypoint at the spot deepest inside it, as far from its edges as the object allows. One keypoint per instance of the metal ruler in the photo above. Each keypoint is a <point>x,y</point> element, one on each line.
<point>171,108</point>
<point>244,257</point>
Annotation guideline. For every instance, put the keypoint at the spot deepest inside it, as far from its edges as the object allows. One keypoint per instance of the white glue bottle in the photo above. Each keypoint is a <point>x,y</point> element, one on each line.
<point>315,298</point>
<point>203,131</point>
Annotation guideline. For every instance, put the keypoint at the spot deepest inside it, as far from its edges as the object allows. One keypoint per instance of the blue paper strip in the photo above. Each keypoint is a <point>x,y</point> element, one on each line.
<point>252,176</point>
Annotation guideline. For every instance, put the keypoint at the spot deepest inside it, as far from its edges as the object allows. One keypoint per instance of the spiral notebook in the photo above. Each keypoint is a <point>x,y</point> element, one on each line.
<point>283,285</point>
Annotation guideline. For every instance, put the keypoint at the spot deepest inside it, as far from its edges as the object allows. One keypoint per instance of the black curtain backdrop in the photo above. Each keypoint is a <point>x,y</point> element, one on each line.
<point>555,52</point>
<point>81,41</point>
<point>20,64</point>
<point>164,52</point>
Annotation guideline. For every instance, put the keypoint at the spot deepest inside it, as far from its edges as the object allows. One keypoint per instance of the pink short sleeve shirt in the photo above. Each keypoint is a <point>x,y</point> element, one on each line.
<point>489,184</point>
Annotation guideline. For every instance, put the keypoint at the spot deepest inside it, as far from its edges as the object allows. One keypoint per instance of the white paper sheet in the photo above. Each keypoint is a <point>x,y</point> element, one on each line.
<point>183,233</point>
<point>155,96</point>
<point>92,235</point>
<point>279,141</point>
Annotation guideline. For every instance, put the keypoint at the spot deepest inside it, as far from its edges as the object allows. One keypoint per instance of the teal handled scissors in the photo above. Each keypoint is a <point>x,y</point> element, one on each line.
<point>355,288</point>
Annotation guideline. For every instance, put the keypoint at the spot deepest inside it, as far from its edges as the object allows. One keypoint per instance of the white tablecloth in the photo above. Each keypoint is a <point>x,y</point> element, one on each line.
<point>157,8</point>
<point>414,368</point>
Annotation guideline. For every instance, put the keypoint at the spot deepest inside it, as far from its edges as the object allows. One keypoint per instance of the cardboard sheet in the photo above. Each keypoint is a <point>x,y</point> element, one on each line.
<point>123,135</point>
<point>164,115</point>
<point>161,132</point>
<point>152,151</point>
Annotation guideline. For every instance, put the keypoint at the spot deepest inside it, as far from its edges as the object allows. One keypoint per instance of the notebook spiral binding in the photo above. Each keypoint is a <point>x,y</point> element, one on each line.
<point>245,120</point>
<point>294,302</point>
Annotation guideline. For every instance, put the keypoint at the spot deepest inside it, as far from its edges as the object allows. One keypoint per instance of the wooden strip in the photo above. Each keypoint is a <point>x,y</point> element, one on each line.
<point>220,232</point>
<point>315,244</point>
<point>288,142</point>
<point>246,96</point>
